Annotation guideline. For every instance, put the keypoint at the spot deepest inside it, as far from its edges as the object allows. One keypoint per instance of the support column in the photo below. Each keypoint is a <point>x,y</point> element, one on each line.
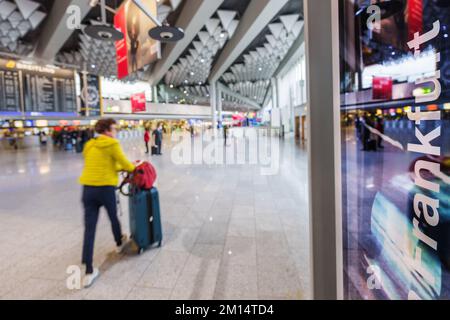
<point>155,94</point>
<point>213,96</point>
<point>275,101</point>
<point>322,63</point>
<point>219,105</point>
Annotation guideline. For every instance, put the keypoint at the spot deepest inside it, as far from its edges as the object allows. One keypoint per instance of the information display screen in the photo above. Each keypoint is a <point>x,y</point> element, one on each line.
<point>35,89</point>
<point>49,92</point>
<point>9,91</point>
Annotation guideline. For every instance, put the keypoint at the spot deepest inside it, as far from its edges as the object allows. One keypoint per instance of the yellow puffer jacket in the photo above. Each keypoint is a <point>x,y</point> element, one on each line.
<point>103,158</point>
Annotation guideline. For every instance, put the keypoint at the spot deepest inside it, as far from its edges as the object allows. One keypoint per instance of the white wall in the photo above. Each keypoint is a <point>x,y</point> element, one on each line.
<point>160,109</point>
<point>292,92</point>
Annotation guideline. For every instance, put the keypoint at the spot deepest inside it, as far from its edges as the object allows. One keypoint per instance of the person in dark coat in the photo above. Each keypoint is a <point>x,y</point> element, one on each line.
<point>158,136</point>
<point>380,127</point>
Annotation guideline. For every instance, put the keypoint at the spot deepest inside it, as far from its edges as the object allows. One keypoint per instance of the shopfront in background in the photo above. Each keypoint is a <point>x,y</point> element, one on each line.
<point>395,126</point>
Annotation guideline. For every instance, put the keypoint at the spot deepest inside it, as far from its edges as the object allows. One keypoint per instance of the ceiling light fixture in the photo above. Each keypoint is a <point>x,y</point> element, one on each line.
<point>163,32</point>
<point>103,31</point>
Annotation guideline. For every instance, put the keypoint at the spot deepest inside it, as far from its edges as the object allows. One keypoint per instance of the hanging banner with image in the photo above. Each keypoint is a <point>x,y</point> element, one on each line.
<point>91,102</point>
<point>137,49</point>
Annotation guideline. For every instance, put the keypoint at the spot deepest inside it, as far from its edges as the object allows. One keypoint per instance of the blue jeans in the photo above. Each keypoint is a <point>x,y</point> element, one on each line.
<point>93,199</point>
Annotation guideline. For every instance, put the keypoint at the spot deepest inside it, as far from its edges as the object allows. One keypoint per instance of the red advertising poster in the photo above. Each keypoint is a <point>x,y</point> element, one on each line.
<point>137,49</point>
<point>415,18</point>
<point>382,88</point>
<point>121,46</point>
<point>138,102</point>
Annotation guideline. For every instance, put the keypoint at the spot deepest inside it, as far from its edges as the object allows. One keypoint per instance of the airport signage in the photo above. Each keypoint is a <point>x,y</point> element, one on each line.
<point>26,87</point>
<point>138,102</point>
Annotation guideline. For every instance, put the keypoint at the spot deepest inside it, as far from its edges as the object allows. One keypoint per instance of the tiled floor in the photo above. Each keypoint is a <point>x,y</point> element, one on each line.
<point>230,233</point>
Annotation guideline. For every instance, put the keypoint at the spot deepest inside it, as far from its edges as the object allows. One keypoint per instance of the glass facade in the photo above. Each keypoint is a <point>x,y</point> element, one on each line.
<point>395,123</point>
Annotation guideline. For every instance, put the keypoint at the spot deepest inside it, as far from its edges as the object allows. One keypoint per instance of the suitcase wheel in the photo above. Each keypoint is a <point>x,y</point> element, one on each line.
<point>140,251</point>
<point>159,245</point>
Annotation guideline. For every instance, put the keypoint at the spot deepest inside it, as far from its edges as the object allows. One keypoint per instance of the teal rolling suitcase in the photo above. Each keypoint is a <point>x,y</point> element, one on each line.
<point>145,219</point>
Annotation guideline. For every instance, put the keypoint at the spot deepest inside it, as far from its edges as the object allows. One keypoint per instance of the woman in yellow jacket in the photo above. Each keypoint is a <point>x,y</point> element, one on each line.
<point>103,159</point>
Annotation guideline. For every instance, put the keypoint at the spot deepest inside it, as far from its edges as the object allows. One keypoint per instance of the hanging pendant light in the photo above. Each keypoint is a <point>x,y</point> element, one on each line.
<point>103,31</point>
<point>163,32</point>
<point>166,33</point>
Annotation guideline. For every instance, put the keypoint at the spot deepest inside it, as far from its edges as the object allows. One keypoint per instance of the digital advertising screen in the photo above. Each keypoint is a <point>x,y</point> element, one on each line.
<point>395,125</point>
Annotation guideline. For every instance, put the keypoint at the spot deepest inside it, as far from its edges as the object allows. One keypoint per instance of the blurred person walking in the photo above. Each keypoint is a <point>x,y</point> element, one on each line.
<point>225,134</point>
<point>147,140</point>
<point>158,134</point>
<point>380,127</point>
<point>103,158</point>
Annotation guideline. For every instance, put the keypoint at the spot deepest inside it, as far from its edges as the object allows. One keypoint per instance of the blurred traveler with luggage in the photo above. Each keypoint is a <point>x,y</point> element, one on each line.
<point>225,134</point>
<point>380,127</point>
<point>158,134</point>
<point>103,158</point>
<point>43,138</point>
<point>147,139</point>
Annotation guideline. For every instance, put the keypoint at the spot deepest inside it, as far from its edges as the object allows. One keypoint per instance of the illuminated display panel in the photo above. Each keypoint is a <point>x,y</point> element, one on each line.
<point>396,191</point>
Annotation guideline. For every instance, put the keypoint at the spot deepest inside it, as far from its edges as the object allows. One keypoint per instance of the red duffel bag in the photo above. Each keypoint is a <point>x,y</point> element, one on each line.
<point>142,178</point>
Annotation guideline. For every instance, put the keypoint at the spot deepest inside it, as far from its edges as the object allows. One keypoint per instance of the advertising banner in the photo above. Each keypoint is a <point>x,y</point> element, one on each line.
<point>415,17</point>
<point>396,156</point>
<point>121,46</point>
<point>91,101</point>
<point>138,102</point>
<point>137,49</point>
<point>382,88</point>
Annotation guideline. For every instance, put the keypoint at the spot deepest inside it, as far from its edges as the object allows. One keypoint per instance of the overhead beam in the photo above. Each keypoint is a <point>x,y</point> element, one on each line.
<point>294,53</point>
<point>267,97</point>
<point>257,16</point>
<point>55,31</point>
<point>192,19</point>
<point>244,99</point>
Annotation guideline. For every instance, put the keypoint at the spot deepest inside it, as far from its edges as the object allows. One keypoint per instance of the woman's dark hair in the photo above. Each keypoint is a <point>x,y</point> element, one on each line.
<point>104,125</point>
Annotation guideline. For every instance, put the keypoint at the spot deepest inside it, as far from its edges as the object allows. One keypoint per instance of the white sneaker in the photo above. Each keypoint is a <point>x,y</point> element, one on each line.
<point>89,279</point>
<point>119,249</point>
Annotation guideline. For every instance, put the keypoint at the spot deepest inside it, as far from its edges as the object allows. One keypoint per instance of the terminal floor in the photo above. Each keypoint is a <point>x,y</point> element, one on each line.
<point>230,232</point>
